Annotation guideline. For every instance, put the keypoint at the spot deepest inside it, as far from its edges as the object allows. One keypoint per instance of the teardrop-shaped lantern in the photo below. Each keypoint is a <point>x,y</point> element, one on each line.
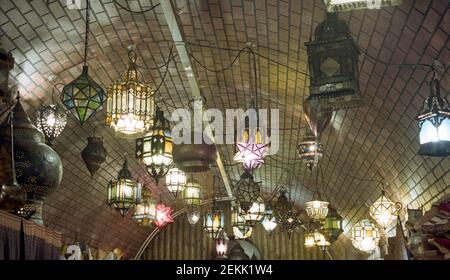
<point>94,154</point>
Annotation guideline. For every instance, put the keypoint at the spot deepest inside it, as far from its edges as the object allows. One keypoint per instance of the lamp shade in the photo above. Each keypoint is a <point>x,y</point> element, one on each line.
<point>51,119</point>
<point>365,236</point>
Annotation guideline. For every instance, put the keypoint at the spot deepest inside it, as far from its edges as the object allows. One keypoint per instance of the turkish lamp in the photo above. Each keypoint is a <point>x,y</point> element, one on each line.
<point>365,236</point>
<point>175,181</point>
<point>309,240</point>
<point>317,209</point>
<point>246,191</point>
<point>256,213</point>
<point>384,211</point>
<point>310,150</point>
<point>145,211</point>
<point>163,216</point>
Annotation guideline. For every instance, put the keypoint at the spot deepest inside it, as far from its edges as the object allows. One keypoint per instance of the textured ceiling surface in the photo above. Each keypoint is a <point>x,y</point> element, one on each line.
<point>377,141</point>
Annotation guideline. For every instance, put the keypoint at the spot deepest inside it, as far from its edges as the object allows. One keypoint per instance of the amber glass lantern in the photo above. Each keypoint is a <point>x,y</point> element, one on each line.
<point>332,227</point>
<point>214,221</point>
<point>145,211</point>
<point>130,103</point>
<point>365,236</point>
<point>333,64</point>
<point>124,192</point>
<point>256,213</point>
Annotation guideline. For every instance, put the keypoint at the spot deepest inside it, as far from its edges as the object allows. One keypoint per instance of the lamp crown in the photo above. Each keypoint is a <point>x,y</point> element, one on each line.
<point>124,173</point>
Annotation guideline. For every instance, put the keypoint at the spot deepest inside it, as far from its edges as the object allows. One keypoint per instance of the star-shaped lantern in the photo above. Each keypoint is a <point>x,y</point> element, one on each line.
<point>250,154</point>
<point>163,215</point>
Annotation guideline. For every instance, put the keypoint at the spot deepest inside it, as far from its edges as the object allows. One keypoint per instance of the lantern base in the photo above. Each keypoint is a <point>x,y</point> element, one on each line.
<point>435,149</point>
<point>330,98</point>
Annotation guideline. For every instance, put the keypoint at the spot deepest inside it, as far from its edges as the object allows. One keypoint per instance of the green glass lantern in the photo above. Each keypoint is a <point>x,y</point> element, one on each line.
<point>192,194</point>
<point>332,227</point>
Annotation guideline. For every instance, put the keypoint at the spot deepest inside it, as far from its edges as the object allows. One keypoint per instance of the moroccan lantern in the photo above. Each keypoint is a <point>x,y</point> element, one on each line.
<point>83,96</point>
<point>320,241</point>
<point>193,215</point>
<point>6,65</point>
<point>434,124</point>
<point>246,191</point>
<point>349,5</point>
<point>310,151</point>
<point>214,221</point>
<point>192,194</point>
<point>256,213</point>
<point>269,221</point>
<point>317,209</point>
<point>94,154</point>
<point>155,149</point>
<point>332,227</point>
<point>288,219</point>
<point>309,240</point>
<point>195,158</point>
<point>123,192</point>
<point>38,167</point>
<point>365,236</point>
<point>384,211</point>
<point>333,64</point>
<point>175,181</point>
<point>222,242</point>
<point>241,230</point>
<point>145,210</point>
<point>130,103</point>
<point>163,215</point>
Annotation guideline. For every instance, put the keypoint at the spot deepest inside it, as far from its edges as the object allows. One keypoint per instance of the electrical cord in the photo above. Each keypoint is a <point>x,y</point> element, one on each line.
<point>218,70</point>
<point>136,12</point>
<point>166,71</point>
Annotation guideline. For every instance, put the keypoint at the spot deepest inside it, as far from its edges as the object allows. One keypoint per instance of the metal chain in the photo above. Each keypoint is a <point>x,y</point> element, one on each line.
<point>86,35</point>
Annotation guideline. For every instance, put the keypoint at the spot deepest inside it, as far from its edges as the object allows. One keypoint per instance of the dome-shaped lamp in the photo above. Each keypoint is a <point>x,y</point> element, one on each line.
<point>365,236</point>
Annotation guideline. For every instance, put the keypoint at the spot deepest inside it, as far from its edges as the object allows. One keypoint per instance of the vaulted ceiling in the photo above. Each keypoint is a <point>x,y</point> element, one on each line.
<point>376,141</point>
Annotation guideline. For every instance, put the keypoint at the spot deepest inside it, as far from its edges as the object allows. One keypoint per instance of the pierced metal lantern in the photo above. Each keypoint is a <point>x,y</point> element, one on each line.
<point>310,151</point>
<point>214,221</point>
<point>384,211</point>
<point>193,215</point>
<point>250,148</point>
<point>246,191</point>
<point>155,149</point>
<point>333,64</point>
<point>163,215</point>
<point>269,221</point>
<point>365,236</point>
<point>222,242</point>
<point>332,227</point>
<point>145,210</point>
<point>349,5</point>
<point>256,213</point>
<point>124,192</point>
<point>83,97</point>
<point>6,65</point>
<point>288,219</point>
<point>317,209</point>
<point>51,119</point>
<point>434,124</point>
<point>94,154</point>
<point>175,181</point>
<point>131,103</point>
<point>241,230</point>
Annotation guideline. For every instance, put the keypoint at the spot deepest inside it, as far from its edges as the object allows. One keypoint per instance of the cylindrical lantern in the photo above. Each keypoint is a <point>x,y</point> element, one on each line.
<point>214,221</point>
<point>256,213</point>
<point>94,154</point>
<point>332,227</point>
<point>317,209</point>
<point>365,236</point>
<point>310,151</point>
<point>192,193</point>
<point>145,211</point>
<point>175,181</point>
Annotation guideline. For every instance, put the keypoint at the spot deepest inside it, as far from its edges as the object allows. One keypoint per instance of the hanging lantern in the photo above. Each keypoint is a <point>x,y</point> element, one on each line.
<point>333,64</point>
<point>365,236</point>
<point>83,96</point>
<point>246,191</point>
<point>434,124</point>
<point>214,221</point>
<point>192,193</point>
<point>222,245</point>
<point>317,209</point>
<point>309,240</point>
<point>94,154</point>
<point>193,215</point>
<point>131,103</point>
<point>145,210</point>
<point>163,215</point>
<point>175,181</point>
<point>269,221</point>
<point>6,65</point>
<point>51,120</point>
<point>124,192</point>
<point>256,213</point>
<point>332,227</point>
<point>155,149</point>
<point>320,241</point>
<point>310,151</point>
<point>241,229</point>
<point>349,5</point>
<point>384,211</point>
<point>288,219</point>
<point>317,119</point>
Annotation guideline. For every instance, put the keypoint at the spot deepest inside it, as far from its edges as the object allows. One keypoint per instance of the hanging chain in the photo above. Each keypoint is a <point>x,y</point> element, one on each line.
<point>86,35</point>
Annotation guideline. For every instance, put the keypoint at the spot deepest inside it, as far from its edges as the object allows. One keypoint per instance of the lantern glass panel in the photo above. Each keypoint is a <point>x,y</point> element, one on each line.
<point>214,222</point>
<point>317,210</point>
<point>256,213</point>
<point>123,194</point>
<point>145,212</point>
<point>192,193</point>
<point>175,180</point>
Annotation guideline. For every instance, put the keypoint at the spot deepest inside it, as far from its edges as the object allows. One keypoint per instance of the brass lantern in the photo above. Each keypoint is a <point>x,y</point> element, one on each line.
<point>155,149</point>
<point>333,64</point>
<point>317,209</point>
<point>332,227</point>
<point>130,103</point>
<point>310,151</point>
<point>175,181</point>
<point>192,193</point>
<point>434,124</point>
<point>384,211</point>
<point>365,236</point>
<point>145,211</point>
<point>6,65</point>
<point>246,191</point>
<point>241,230</point>
<point>214,221</point>
<point>256,213</point>
<point>124,192</point>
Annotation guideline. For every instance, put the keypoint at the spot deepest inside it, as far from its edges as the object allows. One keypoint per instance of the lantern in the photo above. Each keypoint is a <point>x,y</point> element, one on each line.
<point>175,181</point>
<point>193,215</point>
<point>256,213</point>
<point>130,104</point>
<point>288,218</point>
<point>333,64</point>
<point>124,192</point>
<point>163,215</point>
<point>214,221</point>
<point>241,229</point>
<point>155,149</point>
<point>145,211</point>
<point>434,124</point>
<point>332,227</point>
<point>222,245</point>
<point>6,65</point>
<point>246,191</point>
<point>309,240</point>
<point>94,154</point>
<point>269,221</point>
<point>192,193</point>
<point>317,209</point>
<point>384,211</point>
<point>320,241</point>
<point>310,151</point>
<point>251,149</point>
<point>348,5</point>
<point>365,236</point>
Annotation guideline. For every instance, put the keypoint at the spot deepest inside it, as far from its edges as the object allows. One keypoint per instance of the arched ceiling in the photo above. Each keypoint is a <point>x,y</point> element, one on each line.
<point>378,140</point>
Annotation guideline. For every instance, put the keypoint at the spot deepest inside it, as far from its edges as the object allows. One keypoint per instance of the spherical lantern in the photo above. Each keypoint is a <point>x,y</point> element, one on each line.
<point>155,149</point>
<point>192,194</point>
<point>256,213</point>
<point>131,103</point>
<point>193,215</point>
<point>333,64</point>
<point>38,167</point>
<point>434,124</point>
<point>51,120</point>
<point>175,181</point>
<point>145,211</point>
<point>365,236</point>
<point>384,211</point>
<point>163,216</point>
<point>222,245</point>
<point>124,192</point>
<point>317,209</point>
<point>241,229</point>
<point>310,151</point>
<point>246,191</point>
<point>214,221</point>
<point>269,221</point>
<point>332,227</point>
<point>195,158</point>
<point>94,154</point>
